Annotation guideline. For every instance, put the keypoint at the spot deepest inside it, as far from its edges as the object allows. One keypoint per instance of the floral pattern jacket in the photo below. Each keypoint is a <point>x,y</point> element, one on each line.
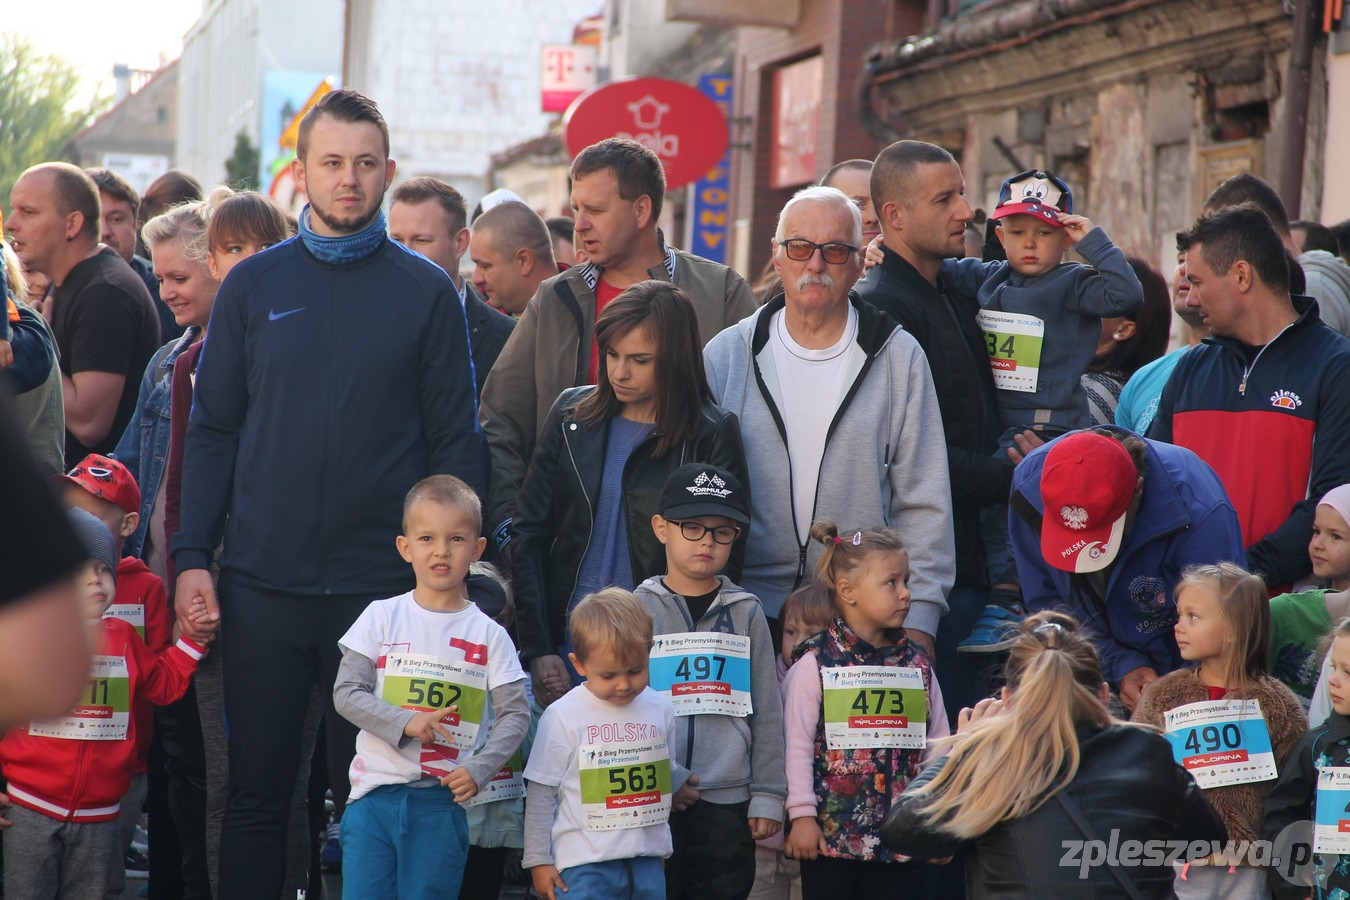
<point>855,788</point>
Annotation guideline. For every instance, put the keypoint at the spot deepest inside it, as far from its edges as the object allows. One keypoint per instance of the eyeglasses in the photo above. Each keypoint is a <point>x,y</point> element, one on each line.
<point>802,250</point>
<point>722,534</point>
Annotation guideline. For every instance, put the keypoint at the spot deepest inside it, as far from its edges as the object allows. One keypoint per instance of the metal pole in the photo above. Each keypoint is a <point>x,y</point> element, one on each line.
<point>1298,84</point>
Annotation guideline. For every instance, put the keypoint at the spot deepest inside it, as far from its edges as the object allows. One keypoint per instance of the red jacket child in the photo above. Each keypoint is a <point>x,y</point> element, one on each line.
<point>79,767</point>
<point>103,486</point>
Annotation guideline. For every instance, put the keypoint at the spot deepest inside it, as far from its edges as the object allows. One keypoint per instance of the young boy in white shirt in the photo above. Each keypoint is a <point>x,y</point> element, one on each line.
<point>423,675</point>
<point>600,783</point>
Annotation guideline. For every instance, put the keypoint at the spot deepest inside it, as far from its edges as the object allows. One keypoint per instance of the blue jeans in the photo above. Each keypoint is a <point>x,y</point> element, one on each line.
<point>400,841</point>
<point>642,878</point>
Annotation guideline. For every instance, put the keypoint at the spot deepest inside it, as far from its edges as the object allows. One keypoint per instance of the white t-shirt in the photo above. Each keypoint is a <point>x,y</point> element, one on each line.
<point>569,728</point>
<point>812,385</point>
<point>427,659</point>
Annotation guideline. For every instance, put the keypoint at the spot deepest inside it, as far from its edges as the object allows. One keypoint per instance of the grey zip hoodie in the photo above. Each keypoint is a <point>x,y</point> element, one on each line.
<point>885,459</point>
<point>736,758</point>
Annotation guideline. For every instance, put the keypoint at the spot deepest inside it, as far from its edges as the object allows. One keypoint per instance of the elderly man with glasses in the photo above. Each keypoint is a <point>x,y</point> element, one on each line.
<point>838,416</point>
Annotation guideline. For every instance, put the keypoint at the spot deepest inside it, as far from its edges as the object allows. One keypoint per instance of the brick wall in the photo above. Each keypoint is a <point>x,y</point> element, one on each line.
<point>840,31</point>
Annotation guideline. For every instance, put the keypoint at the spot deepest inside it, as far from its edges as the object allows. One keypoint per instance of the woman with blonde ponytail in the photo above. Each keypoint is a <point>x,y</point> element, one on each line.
<point>1022,770</point>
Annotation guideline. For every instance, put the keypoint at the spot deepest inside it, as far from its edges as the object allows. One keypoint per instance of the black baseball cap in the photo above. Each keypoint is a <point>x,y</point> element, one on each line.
<point>699,489</point>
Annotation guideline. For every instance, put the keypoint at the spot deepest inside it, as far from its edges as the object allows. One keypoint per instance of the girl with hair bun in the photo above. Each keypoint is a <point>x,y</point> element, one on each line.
<point>861,704</point>
<point>1021,769</point>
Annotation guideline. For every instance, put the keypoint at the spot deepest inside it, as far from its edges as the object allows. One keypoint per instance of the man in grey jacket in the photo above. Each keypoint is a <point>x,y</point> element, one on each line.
<point>618,187</point>
<point>838,416</point>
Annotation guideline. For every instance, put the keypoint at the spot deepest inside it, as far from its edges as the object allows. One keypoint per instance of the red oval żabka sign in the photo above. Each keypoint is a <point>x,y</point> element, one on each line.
<point>680,124</point>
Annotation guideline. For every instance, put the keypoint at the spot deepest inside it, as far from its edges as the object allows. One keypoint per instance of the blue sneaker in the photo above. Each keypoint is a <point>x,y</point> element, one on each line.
<point>330,857</point>
<point>994,630</point>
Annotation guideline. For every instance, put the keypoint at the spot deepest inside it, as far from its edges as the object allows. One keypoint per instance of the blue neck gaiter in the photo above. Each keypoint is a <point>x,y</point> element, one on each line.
<point>345,249</point>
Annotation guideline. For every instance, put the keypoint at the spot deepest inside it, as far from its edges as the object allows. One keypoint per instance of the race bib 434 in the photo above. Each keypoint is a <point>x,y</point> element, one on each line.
<point>1013,342</point>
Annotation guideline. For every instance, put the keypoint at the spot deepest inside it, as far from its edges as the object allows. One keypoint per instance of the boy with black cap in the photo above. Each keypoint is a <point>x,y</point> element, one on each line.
<point>714,657</point>
<point>1042,323</point>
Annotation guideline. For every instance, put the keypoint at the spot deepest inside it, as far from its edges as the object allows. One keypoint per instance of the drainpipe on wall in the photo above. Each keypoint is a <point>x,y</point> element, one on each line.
<point>1298,90</point>
<point>872,122</point>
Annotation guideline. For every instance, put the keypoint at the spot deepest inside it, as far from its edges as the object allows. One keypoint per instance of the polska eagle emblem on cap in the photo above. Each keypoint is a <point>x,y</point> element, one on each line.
<point>1075,517</point>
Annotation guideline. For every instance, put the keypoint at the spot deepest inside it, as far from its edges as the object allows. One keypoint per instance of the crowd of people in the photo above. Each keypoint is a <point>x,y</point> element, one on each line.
<point>891,579</point>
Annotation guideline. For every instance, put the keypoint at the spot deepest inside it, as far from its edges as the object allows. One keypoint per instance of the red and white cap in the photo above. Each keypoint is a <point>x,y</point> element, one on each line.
<point>1087,484</point>
<point>107,479</point>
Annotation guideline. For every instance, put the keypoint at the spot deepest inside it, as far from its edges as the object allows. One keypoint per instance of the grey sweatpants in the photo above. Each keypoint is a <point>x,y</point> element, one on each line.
<point>46,859</point>
<point>132,804</point>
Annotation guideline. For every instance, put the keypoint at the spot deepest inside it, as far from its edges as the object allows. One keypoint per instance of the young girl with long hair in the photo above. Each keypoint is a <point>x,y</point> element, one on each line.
<point>1021,767</point>
<point>583,516</point>
<point>1223,626</point>
<point>860,705</point>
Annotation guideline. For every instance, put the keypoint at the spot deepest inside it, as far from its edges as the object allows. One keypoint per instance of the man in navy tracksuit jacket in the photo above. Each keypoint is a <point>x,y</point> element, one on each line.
<point>336,374</point>
<point>1266,399</point>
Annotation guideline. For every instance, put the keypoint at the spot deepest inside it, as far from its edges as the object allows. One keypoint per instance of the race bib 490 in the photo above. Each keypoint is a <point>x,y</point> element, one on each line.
<point>1221,742</point>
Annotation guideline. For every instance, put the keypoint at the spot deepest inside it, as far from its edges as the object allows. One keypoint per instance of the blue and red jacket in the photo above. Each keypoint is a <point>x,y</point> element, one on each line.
<point>1274,423</point>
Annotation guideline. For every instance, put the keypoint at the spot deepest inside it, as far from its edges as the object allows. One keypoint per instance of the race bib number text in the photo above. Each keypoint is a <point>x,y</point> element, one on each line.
<point>703,672</point>
<point>1221,742</point>
<point>874,707</point>
<point>423,682</point>
<point>624,787</point>
<point>104,712</point>
<point>1013,342</point>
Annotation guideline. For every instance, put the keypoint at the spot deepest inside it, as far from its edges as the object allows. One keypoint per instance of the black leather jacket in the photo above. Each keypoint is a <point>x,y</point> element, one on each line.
<point>944,325</point>
<point>1129,789</point>
<point>552,527</point>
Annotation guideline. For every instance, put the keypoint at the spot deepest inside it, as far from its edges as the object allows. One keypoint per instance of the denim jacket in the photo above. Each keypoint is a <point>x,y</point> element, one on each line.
<point>144,447</point>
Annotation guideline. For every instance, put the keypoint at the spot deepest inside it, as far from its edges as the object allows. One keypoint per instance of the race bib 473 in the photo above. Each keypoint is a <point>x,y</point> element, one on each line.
<point>874,707</point>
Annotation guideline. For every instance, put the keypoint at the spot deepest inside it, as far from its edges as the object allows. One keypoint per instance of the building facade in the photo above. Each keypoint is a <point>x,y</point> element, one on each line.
<point>235,51</point>
<point>457,81</point>
<point>137,137</point>
<point>1142,106</point>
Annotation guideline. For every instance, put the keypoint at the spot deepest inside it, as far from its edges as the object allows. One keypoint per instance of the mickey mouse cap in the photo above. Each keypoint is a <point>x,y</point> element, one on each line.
<point>702,490</point>
<point>1033,193</point>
